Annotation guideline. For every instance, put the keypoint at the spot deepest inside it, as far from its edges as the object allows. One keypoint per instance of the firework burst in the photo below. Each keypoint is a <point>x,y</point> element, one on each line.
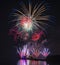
<point>45,52</point>
<point>30,19</point>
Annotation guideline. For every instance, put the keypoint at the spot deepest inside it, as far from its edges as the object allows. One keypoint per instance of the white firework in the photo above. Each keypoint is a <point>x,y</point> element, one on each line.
<point>30,19</point>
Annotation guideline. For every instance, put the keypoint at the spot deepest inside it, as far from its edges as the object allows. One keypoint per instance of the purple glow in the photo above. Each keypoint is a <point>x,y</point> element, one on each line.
<point>33,50</point>
<point>45,52</point>
<point>31,62</point>
<point>23,52</point>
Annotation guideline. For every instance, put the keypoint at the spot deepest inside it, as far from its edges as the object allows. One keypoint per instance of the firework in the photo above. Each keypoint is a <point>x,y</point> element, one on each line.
<point>45,52</point>
<point>37,35</point>
<point>33,49</point>
<point>23,52</point>
<point>30,19</point>
<point>29,25</point>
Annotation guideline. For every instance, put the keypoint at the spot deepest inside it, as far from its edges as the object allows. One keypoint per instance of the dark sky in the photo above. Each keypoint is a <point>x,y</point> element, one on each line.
<point>6,49</point>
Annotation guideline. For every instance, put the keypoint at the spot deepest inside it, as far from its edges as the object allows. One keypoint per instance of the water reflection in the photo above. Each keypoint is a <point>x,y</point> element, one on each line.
<point>31,62</point>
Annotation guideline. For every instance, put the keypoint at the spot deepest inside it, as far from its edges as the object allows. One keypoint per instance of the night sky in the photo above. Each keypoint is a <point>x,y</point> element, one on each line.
<point>7,46</point>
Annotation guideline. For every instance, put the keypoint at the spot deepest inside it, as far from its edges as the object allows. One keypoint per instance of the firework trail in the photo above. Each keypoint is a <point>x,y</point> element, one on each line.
<point>30,19</point>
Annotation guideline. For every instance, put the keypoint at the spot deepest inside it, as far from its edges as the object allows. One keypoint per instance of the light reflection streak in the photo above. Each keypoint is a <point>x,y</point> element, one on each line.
<point>31,62</point>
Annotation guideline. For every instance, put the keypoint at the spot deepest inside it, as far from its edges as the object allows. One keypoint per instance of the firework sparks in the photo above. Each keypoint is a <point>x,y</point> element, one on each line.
<point>45,52</point>
<point>29,20</point>
<point>33,49</point>
<point>23,52</point>
<point>26,23</point>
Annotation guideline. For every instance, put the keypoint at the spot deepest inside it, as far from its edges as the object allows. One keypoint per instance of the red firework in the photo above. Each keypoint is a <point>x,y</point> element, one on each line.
<point>25,19</point>
<point>37,36</point>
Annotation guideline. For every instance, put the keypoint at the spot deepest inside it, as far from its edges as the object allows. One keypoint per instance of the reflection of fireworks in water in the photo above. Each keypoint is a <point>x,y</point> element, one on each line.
<point>31,62</point>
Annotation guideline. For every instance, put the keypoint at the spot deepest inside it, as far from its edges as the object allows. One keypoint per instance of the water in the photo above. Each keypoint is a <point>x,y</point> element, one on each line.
<point>31,62</point>
<point>34,62</point>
